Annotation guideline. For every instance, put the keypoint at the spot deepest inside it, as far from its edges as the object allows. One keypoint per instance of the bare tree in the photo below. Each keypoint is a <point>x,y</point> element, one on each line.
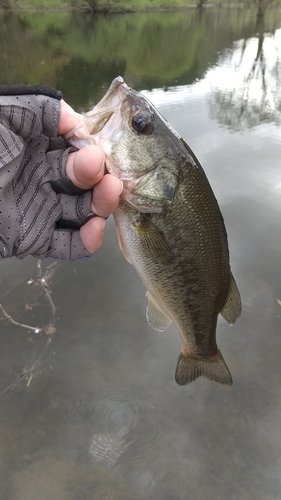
<point>201,3</point>
<point>6,4</point>
<point>94,6</point>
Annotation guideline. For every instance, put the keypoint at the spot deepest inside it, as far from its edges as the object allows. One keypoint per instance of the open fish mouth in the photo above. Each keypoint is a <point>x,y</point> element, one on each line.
<point>96,125</point>
<point>111,102</point>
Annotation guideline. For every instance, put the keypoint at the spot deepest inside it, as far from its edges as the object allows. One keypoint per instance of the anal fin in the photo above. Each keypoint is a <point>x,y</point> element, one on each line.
<point>232,307</point>
<point>156,318</point>
<point>214,368</point>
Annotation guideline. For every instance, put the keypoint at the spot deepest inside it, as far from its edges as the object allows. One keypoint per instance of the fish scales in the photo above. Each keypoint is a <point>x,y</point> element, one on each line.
<point>169,226</point>
<point>192,288</point>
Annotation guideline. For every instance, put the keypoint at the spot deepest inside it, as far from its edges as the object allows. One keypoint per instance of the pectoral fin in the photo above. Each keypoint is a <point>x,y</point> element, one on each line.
<point>152,240</point>
<point>156,318</point>
<point>232,307</point>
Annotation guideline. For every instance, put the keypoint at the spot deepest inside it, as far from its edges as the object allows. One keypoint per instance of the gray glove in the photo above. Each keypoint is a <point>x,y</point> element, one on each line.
<point>40,209</point>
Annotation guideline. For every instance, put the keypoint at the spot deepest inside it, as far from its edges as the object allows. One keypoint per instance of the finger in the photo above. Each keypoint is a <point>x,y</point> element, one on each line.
<point>106,195</point>
<point>75,210</point>
<point>67,245</point>
<point>85,167</point>
<point>91,233</point>
<point>68,118</point>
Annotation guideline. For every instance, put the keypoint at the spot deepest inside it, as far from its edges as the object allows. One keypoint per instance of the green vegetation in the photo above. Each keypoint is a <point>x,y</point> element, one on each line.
<point>127,5</point>
<point>106,6</point>
<point>96,5</point>
<point>76,52</point>
<point>81,54</point>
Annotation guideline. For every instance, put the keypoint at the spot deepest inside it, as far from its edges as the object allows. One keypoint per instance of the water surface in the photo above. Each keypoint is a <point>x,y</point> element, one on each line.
<point>97,413</point>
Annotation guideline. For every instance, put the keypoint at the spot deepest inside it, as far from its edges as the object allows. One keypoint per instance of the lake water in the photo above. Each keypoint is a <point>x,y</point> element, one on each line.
<point>95,413</point>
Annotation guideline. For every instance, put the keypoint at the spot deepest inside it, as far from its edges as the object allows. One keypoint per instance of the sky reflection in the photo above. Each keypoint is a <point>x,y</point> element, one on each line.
<point>244,86</point>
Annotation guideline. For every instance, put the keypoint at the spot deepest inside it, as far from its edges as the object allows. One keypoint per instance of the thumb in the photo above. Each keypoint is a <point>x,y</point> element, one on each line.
<point>68,118</point>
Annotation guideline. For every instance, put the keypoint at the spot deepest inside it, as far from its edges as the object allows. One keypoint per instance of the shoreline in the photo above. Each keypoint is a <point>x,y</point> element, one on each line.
<point>84,10</point>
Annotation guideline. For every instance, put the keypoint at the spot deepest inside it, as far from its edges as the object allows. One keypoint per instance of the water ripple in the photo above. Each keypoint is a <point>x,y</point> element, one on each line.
<point>122,424</point>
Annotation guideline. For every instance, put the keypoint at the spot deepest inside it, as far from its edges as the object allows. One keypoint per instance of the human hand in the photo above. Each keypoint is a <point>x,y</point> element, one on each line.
<point>85,168</point>
<point>53,199</point>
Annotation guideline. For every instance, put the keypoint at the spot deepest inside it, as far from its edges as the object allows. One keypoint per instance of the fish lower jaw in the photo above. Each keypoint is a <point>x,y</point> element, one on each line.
<point>111,167</point>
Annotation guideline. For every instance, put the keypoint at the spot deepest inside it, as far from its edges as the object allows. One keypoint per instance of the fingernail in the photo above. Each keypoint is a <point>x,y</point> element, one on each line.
<point>121,187</point>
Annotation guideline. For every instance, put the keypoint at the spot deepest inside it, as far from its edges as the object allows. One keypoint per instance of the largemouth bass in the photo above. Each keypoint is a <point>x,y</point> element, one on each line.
<point>169,226</point>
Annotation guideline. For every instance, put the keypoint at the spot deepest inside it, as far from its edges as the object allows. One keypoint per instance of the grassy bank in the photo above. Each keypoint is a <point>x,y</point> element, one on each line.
<point>111,5</point>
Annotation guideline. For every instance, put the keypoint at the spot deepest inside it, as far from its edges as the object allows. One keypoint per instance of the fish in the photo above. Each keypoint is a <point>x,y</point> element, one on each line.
<point>169,226</point>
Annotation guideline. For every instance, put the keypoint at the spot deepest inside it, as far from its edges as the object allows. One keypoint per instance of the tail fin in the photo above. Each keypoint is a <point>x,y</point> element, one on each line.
<point>189,369</point>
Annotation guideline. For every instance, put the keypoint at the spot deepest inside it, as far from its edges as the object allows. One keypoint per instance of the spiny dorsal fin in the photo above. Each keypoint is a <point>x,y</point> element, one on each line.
<point>188,369</point>
<point>232,307</point>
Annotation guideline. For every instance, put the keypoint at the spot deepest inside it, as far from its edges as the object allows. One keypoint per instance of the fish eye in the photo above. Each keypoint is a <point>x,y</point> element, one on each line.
<point>143,123</point>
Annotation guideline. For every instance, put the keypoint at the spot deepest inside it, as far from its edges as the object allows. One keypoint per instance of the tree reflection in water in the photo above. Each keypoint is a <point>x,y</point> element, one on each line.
<point>245,85</point>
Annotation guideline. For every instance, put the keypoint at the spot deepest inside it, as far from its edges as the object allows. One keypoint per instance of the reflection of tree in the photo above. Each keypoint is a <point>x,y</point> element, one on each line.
<point>201,3</point>
<point>262,6</point>
<point>82,54</point>
<point>95,6</point>
<point>252,92</point>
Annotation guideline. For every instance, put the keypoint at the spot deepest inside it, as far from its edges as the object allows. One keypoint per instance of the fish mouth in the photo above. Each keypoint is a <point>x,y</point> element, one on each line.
<point>111,102</point>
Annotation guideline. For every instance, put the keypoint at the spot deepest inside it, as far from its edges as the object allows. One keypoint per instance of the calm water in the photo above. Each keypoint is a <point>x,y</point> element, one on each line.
<point>97,413</point>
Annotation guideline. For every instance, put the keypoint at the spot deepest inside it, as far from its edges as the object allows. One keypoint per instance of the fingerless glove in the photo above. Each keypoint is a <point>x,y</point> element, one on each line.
<point>40,209</point>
